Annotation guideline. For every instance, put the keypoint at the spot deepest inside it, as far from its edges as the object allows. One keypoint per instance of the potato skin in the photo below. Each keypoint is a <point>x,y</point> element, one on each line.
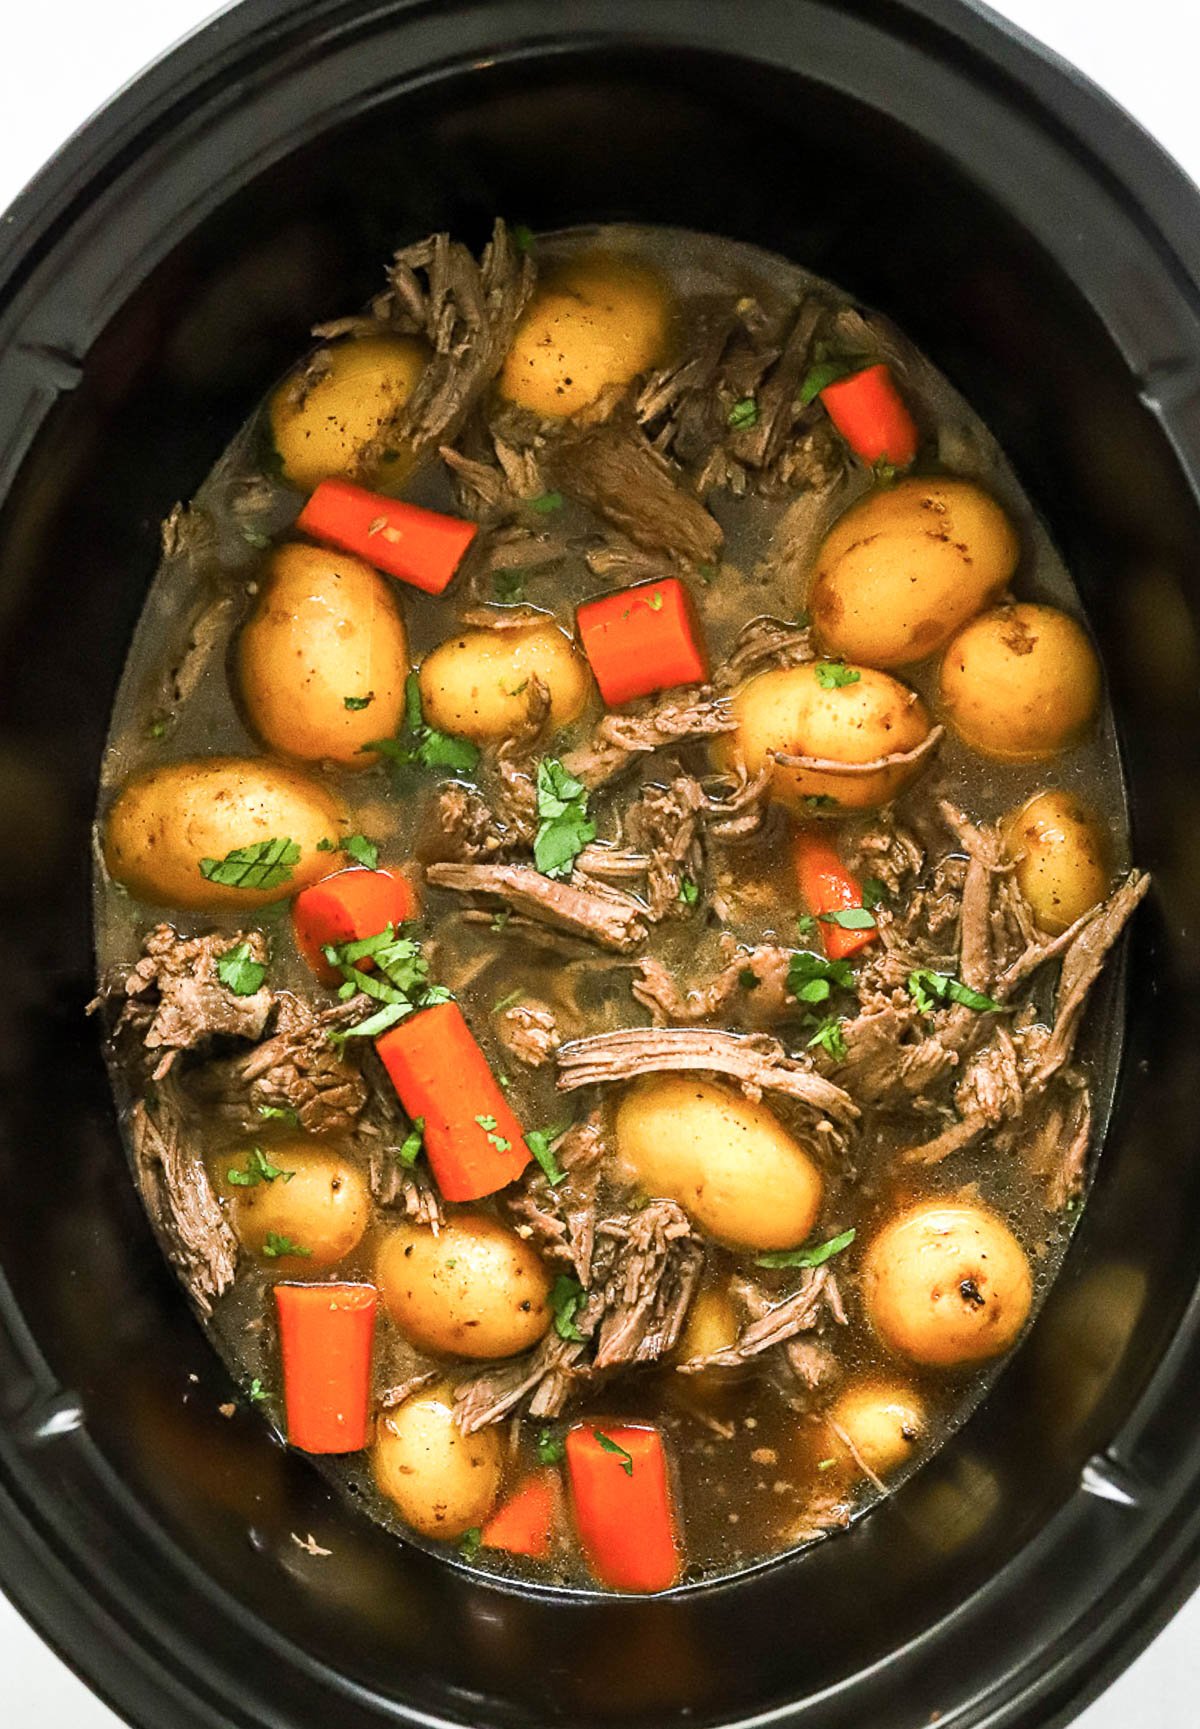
<point>477,1289</point>
<point>594,323</point>
<point>787,710</point>
<point>1061,857</point>
<point>905,568</point>
<point>728,1161</point>
<point>1020,683</point>
<point>946,1283</point>
<point>475,683</point>
<point>324,1207</point>
<point>884,1421</point>
<point>441,1481</point>
<point>326,626</point>
<point>319,430</point>
<point>164,821</point>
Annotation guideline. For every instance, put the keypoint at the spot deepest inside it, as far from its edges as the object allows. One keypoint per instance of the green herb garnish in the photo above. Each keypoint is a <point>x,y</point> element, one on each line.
<point>488,1125</point>
<point>927,989</point>
<point>259,1169</point>
<point>411,1146</point>
<point>522,237</point>
<point>707,572</point>
<point>812,978</point>
<point>566,1296</point>
<point>361,850</point>
<point>255,536</point>
<point>540,1143</point>
<point>354,703</point>
<point>689,892</point>
<point>814,1256</point>
<point>873,891</point>
<point>424,746</point>
<point>470,1543</point>
<point>508,1002</point>
<point>276,1247</point>
<point>508,585</point>
<point>565,827</point>
<point>279,1113</point>
<point>833,674</point>
<point>825,372</point>
<point>551,1449</point>
<point>828,1036</point>
<point>256,1392</point>
<point>264,865</point>
<point>239,972</point>
<point>548,502</point>
<point>744,413</point>
<point>849,919</point>
<point>654,601</point>
<point>819,801</point>
<point>611,1446</point>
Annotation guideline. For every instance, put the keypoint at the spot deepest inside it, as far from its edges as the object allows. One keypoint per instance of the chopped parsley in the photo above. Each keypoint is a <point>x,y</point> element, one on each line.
<point>279,1114</point>
<point>814,1255</point>
<point>886,473</point>
<point>410,1147</point>
<point>508,585</point>
<point>749,979</point>
<point>828,1036</point>
<point>239,972</point>
<point>689,892</point>
<point>819,801</point>
<point>541,1143</point>
<point>277,1247</point>
<point>256,1392</point>
<point>424,745</point>
<point>264,865</point>
<point>655,600</point>
<point>825,372</point>
<point>500,919</point>
<point>743,414</point>
<point>361,850</point>
<point>327,845</point>
<point>834,674</point>
<point>547,503</point>
<point>611,1446</point>
<point>826,1464</point>
<point>873,891</point>
<point>259,1169</point>
<point>399,980</point>
<point>565,827</point>
<point>470,1543</point>
<point>806,924</point>
<point>566,1296</point>
<point>488,1125</point>
<point>849,918</point>
<point>927,989</point>
<point>157,728</point>
<point>354,703</point>
<point>812,978</point>
<point>551,1449</point>
<point>707,572</point>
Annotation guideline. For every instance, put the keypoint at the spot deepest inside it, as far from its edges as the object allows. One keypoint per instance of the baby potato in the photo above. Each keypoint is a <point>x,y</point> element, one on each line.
<point>1061,857</point>
<point>711,1325</point>
<point>905,568</point>
<point>164,822</point>
<point>321,1203</point>
<point>477,1289</point>
<point>325,627</point>
<point>441,1481</point>
<point>725,1159</point>
<point>594,323</point>
<point>357,386</point>
<point>883,1422</point>
<point>1020,683</point>
<point>789,712</point>
<point>947,1283</point>
<point>476,684</point>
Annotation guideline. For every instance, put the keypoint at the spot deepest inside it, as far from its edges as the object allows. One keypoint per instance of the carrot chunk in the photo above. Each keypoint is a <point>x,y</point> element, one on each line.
<point>871,416</point>
<point>325,1337</point>
<point>643,639</point>
<point>826,886</point>
<point>621,1498</point>
<point>343,908</point>
<point>524,1524</point>
<point>420,547</point>
<point>473,1141</point>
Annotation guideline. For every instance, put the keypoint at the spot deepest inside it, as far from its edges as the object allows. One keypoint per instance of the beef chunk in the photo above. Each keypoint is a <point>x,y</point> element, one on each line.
<point>758,1063</point>
<point>619,740</point>
<point>989,1093</point>
<point>178,1195</point>
<point>614,471</point>
<point>1055,1148</point>
<point>516,766</point>
<point>751,989</point>
<point>593,911</point>
<point>664,825</point>
<point>884,849</point>
<point>542,1380</point>
<point>638,1314</point>
<point>467,829</point>
<point>763,645</point>
<point>174,998</point>
<point>775,1324</point>
<point>560,1219</point>
<point>296,1068</point>
<point>529,1032</point>
<point>852,771</point>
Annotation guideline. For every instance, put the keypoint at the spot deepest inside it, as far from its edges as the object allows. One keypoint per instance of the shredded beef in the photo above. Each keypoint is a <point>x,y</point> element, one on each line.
<point>885,850</point>
<point>750,990</point>
<point>758,1063</point>
<point>852,771</point>
<point>593,911</point>
<point>763,645</point>
<point>295,1068</point>
<point>178,1195</point>
<point>467,828</point>
<point>620,739</point>
<point>664,825</point>
<point>775,1325</point>
<point>560,1218</point>
<point>516,766</point>
<point>542,1379</point>
<point>174,998</point>
<point>1056,1147</point>
<point>638,1315</point>
<point>529,1032</point>
<point>614,471</point>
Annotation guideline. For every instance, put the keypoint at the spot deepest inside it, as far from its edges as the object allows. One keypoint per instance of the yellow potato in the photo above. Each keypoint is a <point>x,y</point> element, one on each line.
<point>882,1421</point>
<point>325,627</point>
<point>1020,682</point>
<point>947,1283</point>
<point>441,1481</point>
<point>595,323</point>
<point>320,428</point>
<point>164,822</point>
<point>905,568</point>
<point>728,1161</point>
<point>789,711</point>
<point>711,1325</point>
<point>476,684</point>
<point>321,1203</point>
<point>477,1289</point>
<point>1061,857</point>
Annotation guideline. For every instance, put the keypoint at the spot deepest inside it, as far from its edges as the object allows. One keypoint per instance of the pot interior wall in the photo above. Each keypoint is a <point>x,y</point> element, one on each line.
<point>691,142</point>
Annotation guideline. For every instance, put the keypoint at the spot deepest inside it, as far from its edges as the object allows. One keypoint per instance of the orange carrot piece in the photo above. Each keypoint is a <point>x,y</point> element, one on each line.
<point>643,639</point>
<point>420,547</point>
<point>344,908</point>
<point>325,1336</point>
<point>826,886</point>
<point>622,1503</point>
<point>871,416</point>
<point>524,1524</point>
<point>473,1141</point>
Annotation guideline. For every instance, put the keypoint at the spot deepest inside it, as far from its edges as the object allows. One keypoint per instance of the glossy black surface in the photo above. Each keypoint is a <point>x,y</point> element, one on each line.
<point>1038,248</point>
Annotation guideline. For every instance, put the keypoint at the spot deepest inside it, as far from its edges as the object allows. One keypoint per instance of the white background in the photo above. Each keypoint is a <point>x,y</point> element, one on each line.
<point>61,59</point>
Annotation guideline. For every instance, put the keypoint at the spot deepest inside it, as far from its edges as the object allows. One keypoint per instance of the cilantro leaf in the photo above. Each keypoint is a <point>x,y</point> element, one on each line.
<point>408,1151</point>
<point>551,1449</point>
<point>689,892</point>
<point>566,1296</point>
<point>488,1125</point>
<point>928,988</point>
<point>239,972</point>
<point>812,978</point>
<point>426,747</point>
<point>373,1026</point>
<point>833,674</point>
<point>470,1543</point>
<point>814,1256</point>
<point>825,372</point>
<point>565,827</point>
<point>849,919</point>
<point>508,585</point>
<point>361,850</point>
<point>540,1143</point>
<point>744,413</point>
<point>873,891</point>
<point>548,502</point>
<point>264,865</point>
<point>611,1446</point>
<point>820,801</point>
<point>414,714</point>
<point>256,1392</point>
<point>828,1036</point>
<point>445,750</point>
<point>806,924</point>
<point>277,1247</point>
<point>259,1169</point>
<point>355,703</point>
<point>279,1113</point>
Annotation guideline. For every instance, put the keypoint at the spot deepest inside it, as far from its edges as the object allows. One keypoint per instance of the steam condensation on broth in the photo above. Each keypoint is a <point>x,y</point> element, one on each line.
<point>761,1155</point>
